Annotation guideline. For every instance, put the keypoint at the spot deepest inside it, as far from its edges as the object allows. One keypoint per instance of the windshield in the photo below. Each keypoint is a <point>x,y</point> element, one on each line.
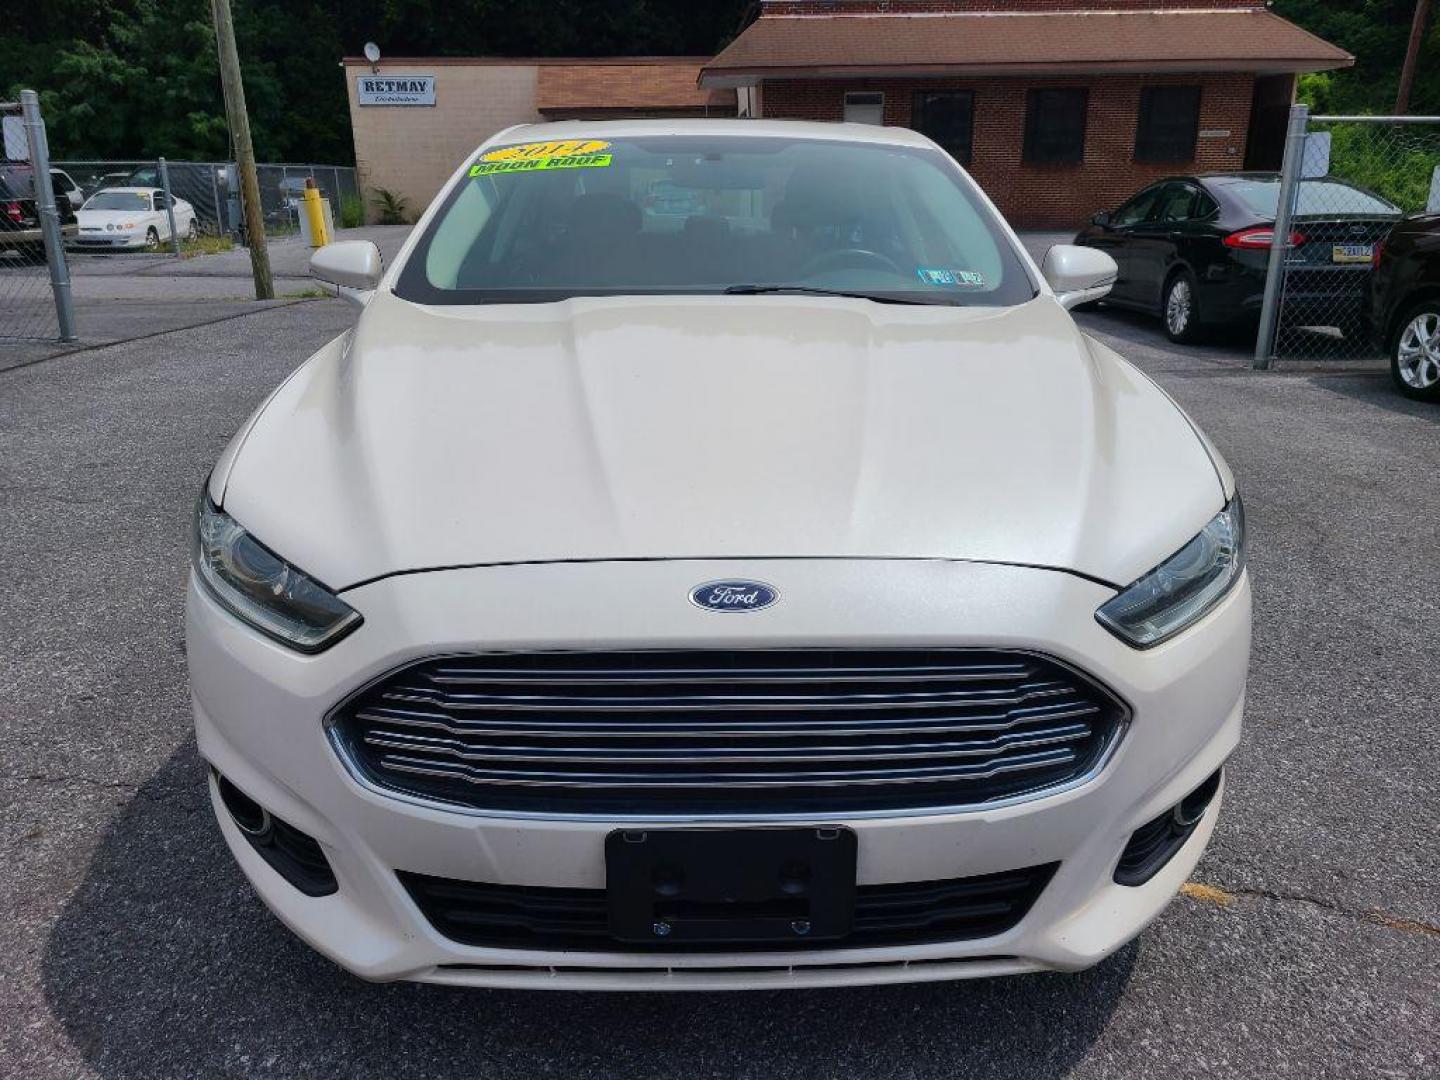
<point>695,215</point>
<point>1316,197</point>
<point>118,200</point>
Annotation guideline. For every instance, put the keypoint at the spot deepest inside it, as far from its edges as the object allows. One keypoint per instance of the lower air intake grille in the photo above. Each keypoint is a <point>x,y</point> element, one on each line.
<point>910,913</point>
<point>750,731</point>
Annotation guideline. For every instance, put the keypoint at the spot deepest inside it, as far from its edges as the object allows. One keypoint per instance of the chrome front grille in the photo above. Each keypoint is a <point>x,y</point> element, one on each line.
<point>735,731</point>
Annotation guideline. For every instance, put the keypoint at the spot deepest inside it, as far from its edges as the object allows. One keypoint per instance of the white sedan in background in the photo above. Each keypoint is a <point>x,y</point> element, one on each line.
<point>132,218</point>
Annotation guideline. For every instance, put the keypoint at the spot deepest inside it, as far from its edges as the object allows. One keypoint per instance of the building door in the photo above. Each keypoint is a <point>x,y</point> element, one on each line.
<point>1269,118</point>
<point>864,107</point>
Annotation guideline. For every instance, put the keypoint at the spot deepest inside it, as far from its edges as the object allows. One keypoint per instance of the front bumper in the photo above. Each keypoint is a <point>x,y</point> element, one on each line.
<point>21,237</point>
<point>259,710</point>
<point>108,241</point>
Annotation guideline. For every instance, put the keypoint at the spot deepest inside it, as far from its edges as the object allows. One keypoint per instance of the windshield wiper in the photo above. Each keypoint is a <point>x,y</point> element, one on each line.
<point>807,290</point>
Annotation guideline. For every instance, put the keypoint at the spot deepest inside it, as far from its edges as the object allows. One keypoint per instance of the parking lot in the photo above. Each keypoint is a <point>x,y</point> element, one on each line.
<point>1307,945</point>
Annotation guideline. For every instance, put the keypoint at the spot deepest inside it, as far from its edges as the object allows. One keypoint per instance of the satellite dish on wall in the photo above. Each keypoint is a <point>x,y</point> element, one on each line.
<point>372,53</point>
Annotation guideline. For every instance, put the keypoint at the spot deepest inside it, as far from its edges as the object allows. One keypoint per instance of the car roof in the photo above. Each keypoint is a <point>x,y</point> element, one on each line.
<point>700,126</point>
<point>146,190</point>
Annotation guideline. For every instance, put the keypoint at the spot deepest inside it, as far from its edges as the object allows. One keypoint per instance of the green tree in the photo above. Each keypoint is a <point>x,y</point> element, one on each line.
<point>138,78</point>
<point>1376,32</point>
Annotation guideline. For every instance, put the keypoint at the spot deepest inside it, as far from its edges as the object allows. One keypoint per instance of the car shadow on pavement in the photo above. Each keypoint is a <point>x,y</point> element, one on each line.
<point>1378,389</point>
<point>165,964</point>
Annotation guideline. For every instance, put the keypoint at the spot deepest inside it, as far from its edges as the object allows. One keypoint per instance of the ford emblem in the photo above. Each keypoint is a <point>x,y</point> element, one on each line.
<point>733,595</point>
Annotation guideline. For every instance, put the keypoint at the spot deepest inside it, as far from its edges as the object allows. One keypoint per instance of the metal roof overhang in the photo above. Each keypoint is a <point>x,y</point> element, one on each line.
<point>752,76</point>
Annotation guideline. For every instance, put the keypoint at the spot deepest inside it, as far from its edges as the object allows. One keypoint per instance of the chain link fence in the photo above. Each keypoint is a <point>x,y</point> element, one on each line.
<point>1345,182</point>
<point>282,188</point>
<point>35,222</point>
<point>27,303</point>
<point>212,189</point>
<point>55,214</point>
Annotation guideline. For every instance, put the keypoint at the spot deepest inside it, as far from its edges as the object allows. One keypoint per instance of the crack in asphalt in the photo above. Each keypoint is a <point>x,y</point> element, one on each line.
<point>47,778</point>
<point>175,796</point>
<point>1225,897</point>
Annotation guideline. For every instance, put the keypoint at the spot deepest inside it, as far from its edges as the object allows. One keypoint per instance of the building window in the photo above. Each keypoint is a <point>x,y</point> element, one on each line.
<point>1169,122</point>
<point>1055,126</point>
<point>864,107</point>
<point>948,117</point>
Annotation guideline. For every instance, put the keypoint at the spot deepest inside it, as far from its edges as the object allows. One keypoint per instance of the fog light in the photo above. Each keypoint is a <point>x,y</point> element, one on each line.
<point>294,855</point>
<point>1155,843</point>
<point>1189,810</point>
<point>249,816</point>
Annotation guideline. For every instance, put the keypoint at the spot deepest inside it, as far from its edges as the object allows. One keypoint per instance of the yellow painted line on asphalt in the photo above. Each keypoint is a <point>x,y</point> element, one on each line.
<point>1208,893</point>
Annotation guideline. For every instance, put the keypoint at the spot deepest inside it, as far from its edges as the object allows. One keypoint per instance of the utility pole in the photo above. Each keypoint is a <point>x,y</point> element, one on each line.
<point>1412,56</point>
<point>239,122</point>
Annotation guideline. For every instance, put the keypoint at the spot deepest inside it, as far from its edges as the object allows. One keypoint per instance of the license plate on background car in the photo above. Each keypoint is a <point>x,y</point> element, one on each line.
<point>736,886</point>
<point>1351,253</point>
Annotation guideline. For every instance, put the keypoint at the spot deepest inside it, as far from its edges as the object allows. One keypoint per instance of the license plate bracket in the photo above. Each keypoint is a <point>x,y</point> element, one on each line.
<point>730,886</point>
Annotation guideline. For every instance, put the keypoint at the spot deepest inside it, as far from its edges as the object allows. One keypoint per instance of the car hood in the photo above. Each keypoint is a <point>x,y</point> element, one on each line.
<point>717,427</point>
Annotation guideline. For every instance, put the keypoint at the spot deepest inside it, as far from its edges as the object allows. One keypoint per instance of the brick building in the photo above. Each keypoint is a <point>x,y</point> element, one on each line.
<point>1057,107</point>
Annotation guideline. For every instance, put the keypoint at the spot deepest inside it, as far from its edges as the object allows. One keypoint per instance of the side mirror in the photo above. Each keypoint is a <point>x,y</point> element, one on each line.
<point>353,266</point>
<point>1100,217</point>
<point>1078,275</point>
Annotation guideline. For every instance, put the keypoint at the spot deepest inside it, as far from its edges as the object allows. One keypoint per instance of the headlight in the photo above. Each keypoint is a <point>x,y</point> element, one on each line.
<point>263,589</point>
<point>1182,588</point>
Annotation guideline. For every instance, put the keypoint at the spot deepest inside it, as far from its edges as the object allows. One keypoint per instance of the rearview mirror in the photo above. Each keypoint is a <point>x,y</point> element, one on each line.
<point>1100,217</point>
<point>352,265</point>
<point>1078,274</point>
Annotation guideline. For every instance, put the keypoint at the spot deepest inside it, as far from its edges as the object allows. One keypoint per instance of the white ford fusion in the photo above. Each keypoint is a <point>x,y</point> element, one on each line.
<point>777,592</point>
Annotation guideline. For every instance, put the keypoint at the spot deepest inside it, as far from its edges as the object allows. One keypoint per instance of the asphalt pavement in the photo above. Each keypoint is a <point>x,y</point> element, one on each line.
<point>120,296</point>
<point>1307,945</point>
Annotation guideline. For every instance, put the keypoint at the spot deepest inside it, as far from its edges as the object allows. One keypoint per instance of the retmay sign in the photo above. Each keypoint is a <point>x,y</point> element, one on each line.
<point>396,89</point>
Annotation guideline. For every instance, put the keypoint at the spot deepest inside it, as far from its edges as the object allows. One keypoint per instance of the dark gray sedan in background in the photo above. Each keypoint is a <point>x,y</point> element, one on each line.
<point>1194,249</point>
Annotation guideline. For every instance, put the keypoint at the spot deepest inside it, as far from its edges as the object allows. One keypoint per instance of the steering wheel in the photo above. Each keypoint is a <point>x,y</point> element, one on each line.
<point>848,257</point>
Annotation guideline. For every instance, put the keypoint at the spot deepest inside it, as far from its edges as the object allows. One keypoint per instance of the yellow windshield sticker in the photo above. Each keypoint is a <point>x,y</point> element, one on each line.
<point>569,161</point>
<point>538,150</point>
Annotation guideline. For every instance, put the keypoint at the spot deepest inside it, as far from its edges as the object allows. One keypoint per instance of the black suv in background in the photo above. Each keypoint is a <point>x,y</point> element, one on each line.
<point>20,234</point>
<point>1404,310</point>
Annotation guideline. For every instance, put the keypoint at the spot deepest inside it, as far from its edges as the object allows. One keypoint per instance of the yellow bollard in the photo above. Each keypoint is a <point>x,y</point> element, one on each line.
<point>315,212</point>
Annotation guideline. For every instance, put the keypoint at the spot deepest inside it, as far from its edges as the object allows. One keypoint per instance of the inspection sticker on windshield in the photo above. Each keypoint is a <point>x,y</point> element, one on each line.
<point>954,278</point>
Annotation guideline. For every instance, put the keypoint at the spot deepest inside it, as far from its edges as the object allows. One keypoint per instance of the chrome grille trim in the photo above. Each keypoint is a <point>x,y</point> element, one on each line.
<point>740,780</point>
<point>932,725</point>
<point>728,755</point>
<point>451,732</point>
